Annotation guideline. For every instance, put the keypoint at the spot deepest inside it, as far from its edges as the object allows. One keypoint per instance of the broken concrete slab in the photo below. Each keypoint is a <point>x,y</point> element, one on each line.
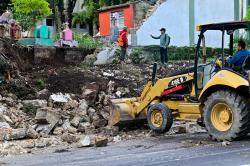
<point>83,127</point>
<point>101,141</point>
<point>75,121</point>
<point>60,98</point>
<point>35,103</point>
<point>47,115</point>
<point>12,134</point>
<point>86,141</point>
<point>31,133</point>
<point>70,138</point>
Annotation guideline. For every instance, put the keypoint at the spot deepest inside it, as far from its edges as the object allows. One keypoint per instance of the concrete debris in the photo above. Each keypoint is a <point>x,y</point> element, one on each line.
<point>42,143</point>
<point>28,144</point>
<point>31,133</point>
<point>225,143</point>
<point>101,141</point>
<point>47,115</point>
<point>4,125</point>
<point>35,103</point>
<point>86,141</point>
<point>12,134</point>
<point>60,98</point>
<point>69,138</point>
<point>117,139</point>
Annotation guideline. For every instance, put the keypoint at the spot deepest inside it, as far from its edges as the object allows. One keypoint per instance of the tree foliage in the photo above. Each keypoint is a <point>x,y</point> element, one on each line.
<point>28,12</point>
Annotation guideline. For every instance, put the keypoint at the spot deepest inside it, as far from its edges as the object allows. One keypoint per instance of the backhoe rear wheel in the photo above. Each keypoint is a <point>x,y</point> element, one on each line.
<point>226,116</point>
<point>160,118</point>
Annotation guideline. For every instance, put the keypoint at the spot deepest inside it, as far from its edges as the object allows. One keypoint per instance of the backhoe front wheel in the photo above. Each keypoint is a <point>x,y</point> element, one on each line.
<point>159,118</point>
<point>226,116</point>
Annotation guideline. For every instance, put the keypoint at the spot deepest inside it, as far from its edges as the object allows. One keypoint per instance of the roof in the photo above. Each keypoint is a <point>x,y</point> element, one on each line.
<point>114,7</point>
<point>234,25</point>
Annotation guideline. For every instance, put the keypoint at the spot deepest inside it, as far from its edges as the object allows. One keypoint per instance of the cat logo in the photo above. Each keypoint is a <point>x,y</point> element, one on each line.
<point>177,81</point>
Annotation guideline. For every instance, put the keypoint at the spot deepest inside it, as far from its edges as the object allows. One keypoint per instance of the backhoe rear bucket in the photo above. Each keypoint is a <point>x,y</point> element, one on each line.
<point>123,111</point>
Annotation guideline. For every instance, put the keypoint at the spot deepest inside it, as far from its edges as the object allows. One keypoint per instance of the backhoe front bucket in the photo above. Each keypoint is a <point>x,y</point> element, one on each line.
<point>124,112</point>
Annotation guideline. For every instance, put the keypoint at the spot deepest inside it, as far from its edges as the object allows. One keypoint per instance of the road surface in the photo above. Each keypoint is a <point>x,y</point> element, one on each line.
<point>187,149</point>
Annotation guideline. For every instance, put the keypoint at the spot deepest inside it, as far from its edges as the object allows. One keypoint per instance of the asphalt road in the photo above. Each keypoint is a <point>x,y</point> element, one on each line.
<point>189,149</point>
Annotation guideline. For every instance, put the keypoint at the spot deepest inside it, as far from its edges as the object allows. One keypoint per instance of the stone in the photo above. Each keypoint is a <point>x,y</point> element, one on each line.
<point>4,125</point>
<point>90,92</point>
<point>100,123</point>
<point>60,98</point>
<point>83,127</point>
<point>69,138</point>
<point>86,141</point>
<point>7,119</point>
<point>28,144</point>
<point>31,133</point>
<point>75,121</point>
<point>180,129</point>
<point>118,94</point>
<point>111,87</point>
<point>101,141</point>
<point>68,128</point>
<point>47,115</point>
<point>105,114</point>
<point>42,143</point>
<point>43,94</point>
<point>83,108</point>
<point>117,139</point>
<point>225,143</point>
<point>58,131</point>
<point>109,130</point>
<point>71,104</point>
<point>12,134</point>
<point>35,103</point>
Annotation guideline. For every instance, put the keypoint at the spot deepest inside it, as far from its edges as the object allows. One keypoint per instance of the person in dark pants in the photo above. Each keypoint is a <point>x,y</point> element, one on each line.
<point>123,43</point>
<point>164,43</point>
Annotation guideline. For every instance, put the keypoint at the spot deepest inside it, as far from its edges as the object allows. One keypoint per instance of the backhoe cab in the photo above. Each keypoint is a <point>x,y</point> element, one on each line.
<point>218,98</point>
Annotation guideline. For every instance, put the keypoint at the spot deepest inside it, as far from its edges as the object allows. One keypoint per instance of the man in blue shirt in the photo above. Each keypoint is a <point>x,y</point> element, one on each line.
<point>239,57</point>
<point>164,43</point>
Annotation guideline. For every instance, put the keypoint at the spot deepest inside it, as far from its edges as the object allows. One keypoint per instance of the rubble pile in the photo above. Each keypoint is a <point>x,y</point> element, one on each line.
<point>54,106</point>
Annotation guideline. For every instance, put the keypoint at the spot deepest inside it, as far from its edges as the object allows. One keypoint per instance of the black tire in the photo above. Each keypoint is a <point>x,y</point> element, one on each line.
<point>240,116</point>
<point>167,118</point>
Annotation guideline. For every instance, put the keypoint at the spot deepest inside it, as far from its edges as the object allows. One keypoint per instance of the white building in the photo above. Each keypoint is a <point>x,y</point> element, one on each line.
<point>180,18</point>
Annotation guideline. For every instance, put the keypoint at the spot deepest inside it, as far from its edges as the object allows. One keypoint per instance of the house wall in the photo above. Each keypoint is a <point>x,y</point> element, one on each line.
<point>180,18</point>
<point>104,19</point>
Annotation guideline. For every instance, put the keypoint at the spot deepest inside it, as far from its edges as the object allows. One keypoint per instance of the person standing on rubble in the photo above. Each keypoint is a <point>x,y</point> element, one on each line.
<point>164,43</point>
<point>123,43</point>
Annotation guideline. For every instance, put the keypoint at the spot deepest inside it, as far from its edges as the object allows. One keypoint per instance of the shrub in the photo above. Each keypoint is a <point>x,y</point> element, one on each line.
<point>86,41</point>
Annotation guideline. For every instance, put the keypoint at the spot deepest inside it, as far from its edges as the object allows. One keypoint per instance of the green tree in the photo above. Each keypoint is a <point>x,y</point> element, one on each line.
<point>28,12</point>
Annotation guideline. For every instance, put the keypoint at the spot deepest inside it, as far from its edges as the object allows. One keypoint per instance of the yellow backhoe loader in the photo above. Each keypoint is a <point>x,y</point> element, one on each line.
<point>210,93</point>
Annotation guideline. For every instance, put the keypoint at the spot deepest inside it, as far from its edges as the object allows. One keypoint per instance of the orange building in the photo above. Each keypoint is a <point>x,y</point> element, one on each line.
<point>119,15</point>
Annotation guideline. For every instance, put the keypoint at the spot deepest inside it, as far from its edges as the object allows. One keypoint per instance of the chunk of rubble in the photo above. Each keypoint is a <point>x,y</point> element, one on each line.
<point>12,134</point>
<point>60,98</point>
<point>70,138</point>
<point>35,103</point>
<point>101,141</point>
<point>86,141</point>
<point>47,116</point>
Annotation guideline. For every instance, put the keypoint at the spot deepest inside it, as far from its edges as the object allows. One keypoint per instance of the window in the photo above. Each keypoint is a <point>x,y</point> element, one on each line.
<point>49,22</point>
<point>117,18</point>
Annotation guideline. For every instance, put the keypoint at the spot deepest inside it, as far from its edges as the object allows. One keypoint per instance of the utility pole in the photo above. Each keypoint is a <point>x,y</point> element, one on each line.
<point>241,10</point>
